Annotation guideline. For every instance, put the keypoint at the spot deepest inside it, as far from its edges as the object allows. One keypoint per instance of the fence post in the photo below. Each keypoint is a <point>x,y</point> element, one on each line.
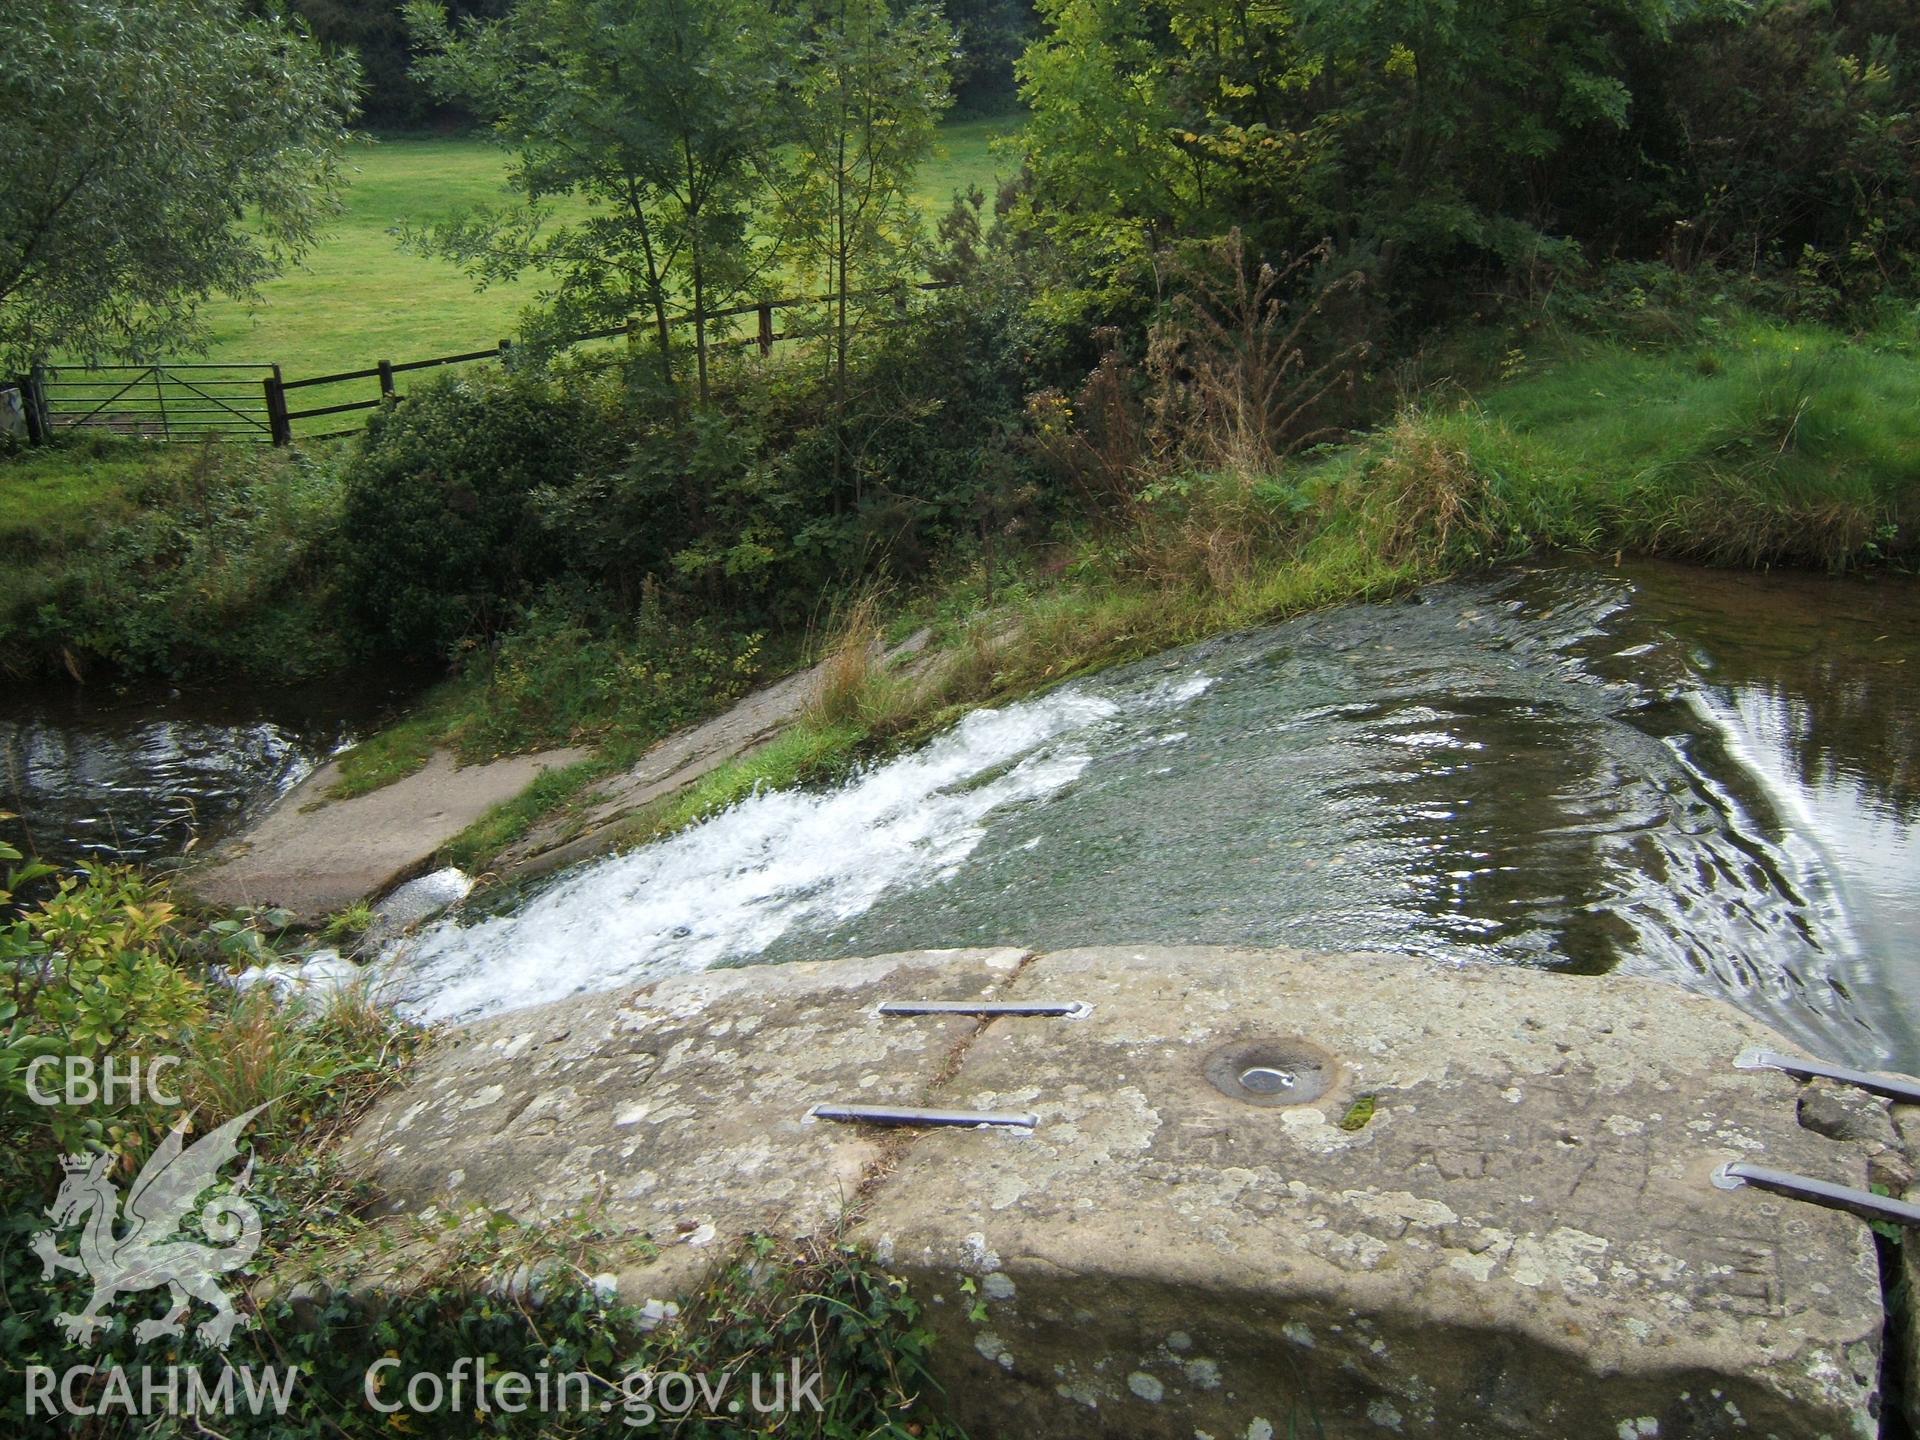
<point>506,354</point>
<point>278,425</point>
<point>766,327</point>
<point>33,399</point>
<point>386,378</point>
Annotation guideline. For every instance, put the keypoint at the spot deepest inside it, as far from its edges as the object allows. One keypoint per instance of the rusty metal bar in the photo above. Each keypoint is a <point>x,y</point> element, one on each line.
<point>1044,1009</point>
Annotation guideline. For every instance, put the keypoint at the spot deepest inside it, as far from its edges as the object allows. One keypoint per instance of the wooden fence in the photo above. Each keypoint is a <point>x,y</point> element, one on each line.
<point>250,402</point>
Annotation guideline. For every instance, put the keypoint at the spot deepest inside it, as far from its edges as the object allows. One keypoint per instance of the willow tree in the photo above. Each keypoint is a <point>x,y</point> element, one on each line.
<point>158,152</point>
<point>660,114</point>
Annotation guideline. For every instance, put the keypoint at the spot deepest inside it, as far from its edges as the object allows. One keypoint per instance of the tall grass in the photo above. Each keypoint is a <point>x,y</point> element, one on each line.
<point>846,673</point>
<point>1774,445</point>
<point>309,1063</point>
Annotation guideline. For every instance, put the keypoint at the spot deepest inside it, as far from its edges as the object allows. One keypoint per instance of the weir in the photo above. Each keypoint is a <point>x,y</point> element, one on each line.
<point>1491,1212</point>
<point>1565,768</point>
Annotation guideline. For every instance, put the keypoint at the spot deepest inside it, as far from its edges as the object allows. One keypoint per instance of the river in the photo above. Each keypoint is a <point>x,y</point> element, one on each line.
<point>1704,776</point>
<point>145,772</point>
<point>1707,776</point>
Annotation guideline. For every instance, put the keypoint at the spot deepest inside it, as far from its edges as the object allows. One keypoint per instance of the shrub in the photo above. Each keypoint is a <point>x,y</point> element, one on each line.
<point>211,558</point>
<point>89,971</point>
<point>573,667</point>
<point>442,539</point>
<point>1423,495</point>
<point>1246,364</point>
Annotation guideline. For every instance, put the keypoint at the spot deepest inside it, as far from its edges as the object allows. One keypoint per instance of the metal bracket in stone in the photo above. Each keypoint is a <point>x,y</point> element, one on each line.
<point>1907,1091</point>
<point>1863,1203</point>
<point>1031,1009</point>
<point>914,1115</point>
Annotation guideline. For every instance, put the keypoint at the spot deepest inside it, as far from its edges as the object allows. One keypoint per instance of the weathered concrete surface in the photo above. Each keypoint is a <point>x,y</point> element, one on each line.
<point>1522,1241</point>
<point>314,856</point>
<point>671,766</point>
<point>676,1110</point>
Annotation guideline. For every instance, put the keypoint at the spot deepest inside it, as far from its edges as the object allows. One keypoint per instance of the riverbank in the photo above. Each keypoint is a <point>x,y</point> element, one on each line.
<point>1435,493</point>
<point>1763,445</point>
<point>1773,446</point>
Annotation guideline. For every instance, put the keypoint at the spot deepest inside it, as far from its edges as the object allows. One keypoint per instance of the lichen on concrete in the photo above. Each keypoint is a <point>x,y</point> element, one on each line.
<point>1521,1241</point>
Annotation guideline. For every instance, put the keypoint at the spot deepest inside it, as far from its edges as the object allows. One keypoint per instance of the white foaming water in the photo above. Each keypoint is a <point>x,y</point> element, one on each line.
<point>734,884</point>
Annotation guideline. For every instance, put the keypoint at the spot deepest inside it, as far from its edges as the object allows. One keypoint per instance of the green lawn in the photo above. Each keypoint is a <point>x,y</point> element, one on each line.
<point>358,299</point>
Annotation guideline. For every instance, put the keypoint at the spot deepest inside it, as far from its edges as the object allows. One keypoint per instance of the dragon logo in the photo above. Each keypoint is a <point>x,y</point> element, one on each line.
<point>151,1252</point>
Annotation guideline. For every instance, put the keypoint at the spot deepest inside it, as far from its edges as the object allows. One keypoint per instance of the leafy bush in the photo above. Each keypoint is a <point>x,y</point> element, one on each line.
<point>755,507</point>
<point>572,668</point>
<point>520,1296</point>
<point>1452,150</point>
<point>441,538</point>
<point>89,971</point>
<point>104,967</point>
<point>1794,133</point>
<point>210,558</point>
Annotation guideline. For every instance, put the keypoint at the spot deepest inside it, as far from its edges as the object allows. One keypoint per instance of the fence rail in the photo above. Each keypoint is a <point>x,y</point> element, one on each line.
<point>765,337</point>
<point>249,401</point>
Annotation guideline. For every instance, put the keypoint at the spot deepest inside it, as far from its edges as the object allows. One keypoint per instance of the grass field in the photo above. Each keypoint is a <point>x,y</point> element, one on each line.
<point>358,299</point>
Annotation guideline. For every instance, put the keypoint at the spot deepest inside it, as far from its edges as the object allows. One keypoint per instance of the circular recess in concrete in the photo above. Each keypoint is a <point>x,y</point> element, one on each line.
<point>1280,1070</point>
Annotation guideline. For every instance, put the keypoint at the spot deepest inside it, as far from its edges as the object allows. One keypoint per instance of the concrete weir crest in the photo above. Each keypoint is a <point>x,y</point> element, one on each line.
<point>1268,1190</point>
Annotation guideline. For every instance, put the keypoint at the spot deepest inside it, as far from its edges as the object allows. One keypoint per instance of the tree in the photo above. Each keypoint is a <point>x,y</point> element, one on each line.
<point>872,87</point>
<point>376,32</point>
<point>159,152</point>
<point>1156,122</point>
<point>1423,136</point>
<point>661,114</point>
<point>992,33</point>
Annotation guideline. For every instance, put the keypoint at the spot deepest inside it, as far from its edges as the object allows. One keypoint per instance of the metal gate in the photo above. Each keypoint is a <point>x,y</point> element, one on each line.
<point>158,402</point>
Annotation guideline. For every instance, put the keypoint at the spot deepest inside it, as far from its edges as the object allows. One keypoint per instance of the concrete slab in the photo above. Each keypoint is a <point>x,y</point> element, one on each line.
<point>314,856</point>
<point>1520,1241</point>
<point>674,764</point>
<point>676,1110</point>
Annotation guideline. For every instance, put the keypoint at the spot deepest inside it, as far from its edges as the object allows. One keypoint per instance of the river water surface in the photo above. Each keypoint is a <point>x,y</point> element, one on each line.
<point>1709,777</point>
<point>141,773</point>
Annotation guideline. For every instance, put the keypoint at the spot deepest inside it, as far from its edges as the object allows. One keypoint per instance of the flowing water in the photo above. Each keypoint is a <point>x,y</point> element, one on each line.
<point>142,773</point>
<point>1702,776</point>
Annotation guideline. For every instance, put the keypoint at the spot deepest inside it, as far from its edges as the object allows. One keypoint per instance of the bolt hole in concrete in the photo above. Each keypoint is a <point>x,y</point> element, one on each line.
<point>1658,771</point>
<point>1271,1071</point>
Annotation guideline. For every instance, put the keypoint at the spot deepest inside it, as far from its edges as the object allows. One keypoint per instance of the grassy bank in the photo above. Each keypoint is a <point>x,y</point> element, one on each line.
<point>1752,444</point>
<point>168,559</point>
<point>1766,445</point>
